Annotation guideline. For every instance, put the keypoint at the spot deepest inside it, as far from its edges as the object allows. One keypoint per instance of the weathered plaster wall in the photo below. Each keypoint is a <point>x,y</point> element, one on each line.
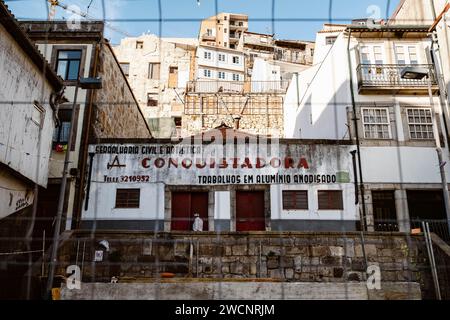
<point>24,146</point>
<point>168,54</point>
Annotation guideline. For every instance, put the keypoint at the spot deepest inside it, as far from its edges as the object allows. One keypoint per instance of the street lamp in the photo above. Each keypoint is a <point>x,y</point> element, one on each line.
<point>418,73</point>
<point>83,83</point>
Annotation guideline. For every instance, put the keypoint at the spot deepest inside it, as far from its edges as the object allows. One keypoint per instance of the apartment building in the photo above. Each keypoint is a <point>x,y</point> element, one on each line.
<point>158,70</point>
<point>382,94</point>
<point>224,30</point>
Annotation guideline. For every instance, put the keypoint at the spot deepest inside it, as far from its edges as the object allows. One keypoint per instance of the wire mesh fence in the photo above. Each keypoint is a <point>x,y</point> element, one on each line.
<point>330,262</point>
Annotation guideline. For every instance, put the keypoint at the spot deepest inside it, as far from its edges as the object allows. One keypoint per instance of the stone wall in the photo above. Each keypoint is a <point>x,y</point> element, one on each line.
<point>291,257</point>
<point>117,113</point>
<point>254,124</point>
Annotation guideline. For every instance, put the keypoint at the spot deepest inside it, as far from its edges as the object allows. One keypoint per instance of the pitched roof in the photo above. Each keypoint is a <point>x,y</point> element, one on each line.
<point>11,25</point>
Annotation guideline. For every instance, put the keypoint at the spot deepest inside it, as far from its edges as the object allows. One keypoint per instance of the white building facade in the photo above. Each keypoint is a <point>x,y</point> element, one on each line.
<point>252,184</point>
<point>358,93</point>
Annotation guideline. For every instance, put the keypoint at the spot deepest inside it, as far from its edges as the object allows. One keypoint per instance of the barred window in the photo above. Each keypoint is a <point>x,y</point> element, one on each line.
<point>376,123</point>
<point>295,200</point>
<point>127,198</point>
<point>420,123</point>
<point>330,200</point>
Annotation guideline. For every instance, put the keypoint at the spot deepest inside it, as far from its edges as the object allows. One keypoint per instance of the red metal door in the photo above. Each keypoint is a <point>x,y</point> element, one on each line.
<point>184,206</point>
<point>250,211</point>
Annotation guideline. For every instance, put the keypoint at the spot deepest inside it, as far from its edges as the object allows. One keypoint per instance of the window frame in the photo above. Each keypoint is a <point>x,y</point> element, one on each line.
<point>386,109</point>
<point>151,97</point>
<point>420,123</point>
<point>207,55</point>
<point>236,77</point>
<point>219,73</point>
<point>151,74</point>
<point>236,60</point>
<point>127,205</point>
<point>69,61</point>
<point>293,194</point>
<point>41,114</point>
<point>127,74</point>
<point>207,73</point>
<point>139,44</point>
<point>340,206</point>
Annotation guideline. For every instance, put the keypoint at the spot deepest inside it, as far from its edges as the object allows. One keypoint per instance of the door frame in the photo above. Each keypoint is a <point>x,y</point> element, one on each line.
<point>249,188</point>
<point>168,203</point>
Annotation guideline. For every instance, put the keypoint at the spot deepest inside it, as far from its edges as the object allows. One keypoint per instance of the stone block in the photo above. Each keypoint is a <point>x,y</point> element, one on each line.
<point>273,262</point>
<point>336,251</point>
<point>286,262</point>
<point>320,251</point>
<point>289,273</point>
<point>276,274</point>
<point>239,250</point>
<point>271,251</point>
<point>331,261</point>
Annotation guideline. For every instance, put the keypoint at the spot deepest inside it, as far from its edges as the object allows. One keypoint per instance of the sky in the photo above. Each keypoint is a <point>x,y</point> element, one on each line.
<point>287,19</point>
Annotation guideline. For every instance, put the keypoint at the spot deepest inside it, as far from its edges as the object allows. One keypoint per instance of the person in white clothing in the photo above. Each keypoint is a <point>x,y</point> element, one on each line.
<point>198,223</point>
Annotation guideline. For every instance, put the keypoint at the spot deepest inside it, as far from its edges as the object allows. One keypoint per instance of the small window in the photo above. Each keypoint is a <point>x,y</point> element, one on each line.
<point>207,55</point>
<point>127,198</point>
<point>376,123</point>
<point>178,122</point>
<point>153,70</point>
<point>225,30</point>
<point>295,200</point>
<point>68,64</point>
<point>61,133</point>
<point>152,100</point>
<point>236,60</point>
<point>125,68</point>
<point>311,51</point>
<point>235,77</point>
<point>420,123</point>
<point>330,200</point>
<point>221,75</point>
<point>221,57</point>
<point>37,115</point>
<point>330,40</point>
<point>209,32</point>
<point>207,73</point>
<point>225,44</point>
<point>139,44</point>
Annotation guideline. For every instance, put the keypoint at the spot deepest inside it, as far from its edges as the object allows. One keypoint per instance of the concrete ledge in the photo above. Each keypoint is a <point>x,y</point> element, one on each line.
<point>215,290</point>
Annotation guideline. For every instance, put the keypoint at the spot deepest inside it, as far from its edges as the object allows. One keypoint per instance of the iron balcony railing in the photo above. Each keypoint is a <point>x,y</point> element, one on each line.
<point>389,75</point>
<point>237,86</point>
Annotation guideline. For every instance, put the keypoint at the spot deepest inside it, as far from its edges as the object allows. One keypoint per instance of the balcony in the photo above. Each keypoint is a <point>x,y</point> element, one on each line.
<point>386,79</point>
<point>208,37</point>
<point>237,87</point>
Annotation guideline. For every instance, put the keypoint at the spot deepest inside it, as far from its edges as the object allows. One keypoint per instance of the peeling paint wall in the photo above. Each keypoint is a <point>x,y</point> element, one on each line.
<point>24,146</point>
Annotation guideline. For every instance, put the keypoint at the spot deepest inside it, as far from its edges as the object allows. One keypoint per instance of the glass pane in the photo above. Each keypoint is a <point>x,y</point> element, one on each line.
<point>62,68</point>
<point>69,54</point>
<point>74,67</point>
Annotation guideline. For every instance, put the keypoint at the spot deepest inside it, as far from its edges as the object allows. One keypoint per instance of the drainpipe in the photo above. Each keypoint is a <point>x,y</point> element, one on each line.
<point>355,123</point>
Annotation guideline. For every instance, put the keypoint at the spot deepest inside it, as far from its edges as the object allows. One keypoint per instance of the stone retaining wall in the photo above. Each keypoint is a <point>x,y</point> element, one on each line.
<point>290,257</point>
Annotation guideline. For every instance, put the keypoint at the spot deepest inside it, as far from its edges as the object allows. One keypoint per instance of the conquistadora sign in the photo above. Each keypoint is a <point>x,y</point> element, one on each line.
<point>219,164</point>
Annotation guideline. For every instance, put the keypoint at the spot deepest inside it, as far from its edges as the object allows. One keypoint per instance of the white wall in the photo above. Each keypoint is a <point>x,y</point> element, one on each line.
<point>222,205</point>
<point>24,147</point>
<point>315,104</point>
<point>214,61</point>
<point>103,197</point>
<point>350,211</point>
<point>400,165</point>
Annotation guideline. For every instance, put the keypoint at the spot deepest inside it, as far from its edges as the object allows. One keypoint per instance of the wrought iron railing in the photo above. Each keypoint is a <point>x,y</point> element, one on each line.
<point>237,86</point>
<point>390,75</point>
